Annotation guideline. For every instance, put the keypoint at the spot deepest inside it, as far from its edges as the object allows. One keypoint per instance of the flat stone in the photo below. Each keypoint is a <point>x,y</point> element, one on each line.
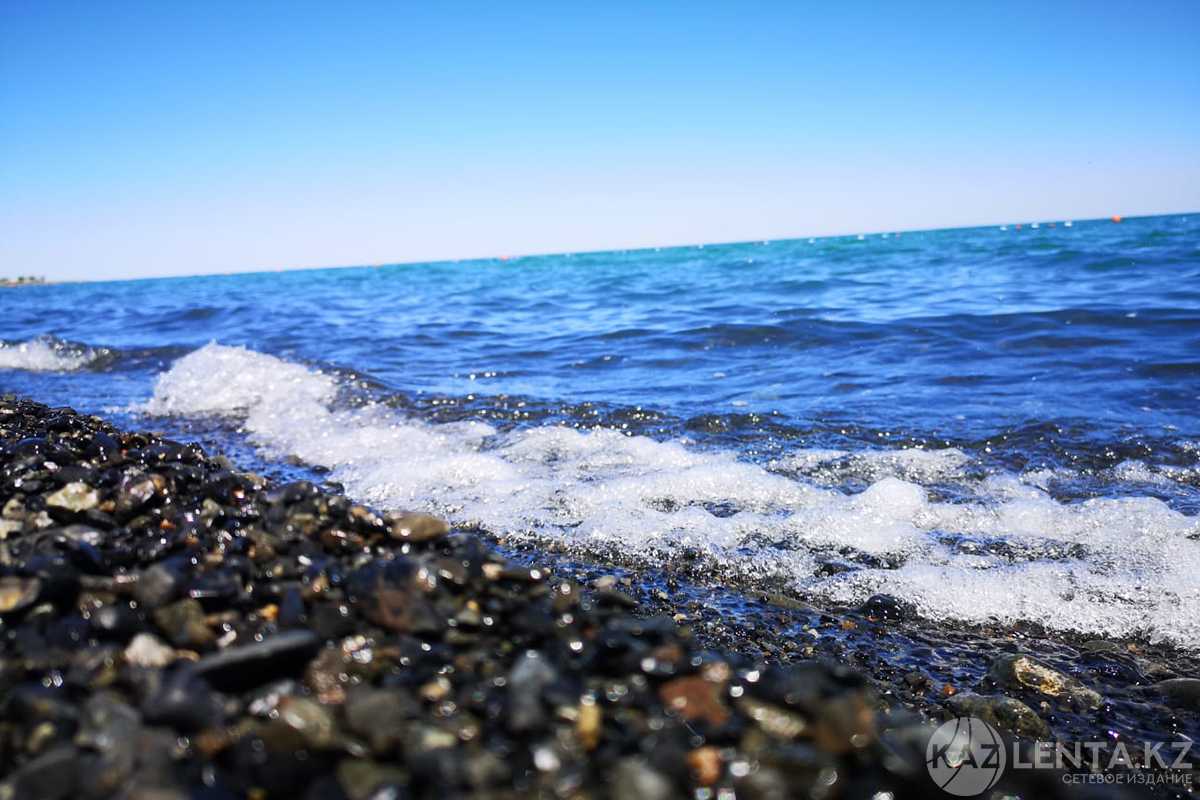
<point>157,586</point>
<point>283,655</point>
<point>51,776</point>
<point>183,623</point>
<point>18,594</point>
<point>9,527</point>
<point>147,650</point>
<point>695,698</point>
<point>1018,671</point>
<point>634,779</point>
<point>361,778</point>
<point>1180,692</point>
<point>77,497</point>
<point>1006,713</point>
<point>417,527</point>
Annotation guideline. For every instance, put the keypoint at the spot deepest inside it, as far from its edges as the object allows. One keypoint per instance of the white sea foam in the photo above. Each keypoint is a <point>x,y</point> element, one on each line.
<point>911,464</point>
<point>42,355</point>
<point>1103,567</point>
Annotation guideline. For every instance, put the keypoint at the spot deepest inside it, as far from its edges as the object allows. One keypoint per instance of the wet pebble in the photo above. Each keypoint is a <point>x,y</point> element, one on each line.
<point>147,650</point>
<point>77,497</point>
<point>1023,672</point>
<point>1179,692</point>
<point>1003,713</point>
<point>253,664</point>
<point>417,527</point>
<point>174,628</point>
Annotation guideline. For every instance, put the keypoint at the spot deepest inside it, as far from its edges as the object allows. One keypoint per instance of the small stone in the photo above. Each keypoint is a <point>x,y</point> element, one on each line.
<point>147,650</point>
<point>51,776</point>
<point>157,586</point>
<point>14,509</point>
<point>421,739</point>
<point>417,527</point>
<point>886,608</point>
<point>1002,712</point>
<point>483,768</point>
<point>705,764</point>
<point>18,594</point>
<point>695,698</point>
<point>183,623</point>
<point>436,690</point>
<point>308,721</point>
<point>844,724</point>
<point>1180,692</point>
<point>469,616</point>
<point>530,675</point>
<point>184,702</point>
<point>331,620</point>
<point>136,490</point>
<point>283,655</point>
<point>116,621</point>
<point>588,724</point>
<point>614,597</point>
<point>634,779</point>
<point>1017,671</point>
<point>776,721</point>
<point>362,779</point>
<point>8,527</point>
<point>391,595</point>
<point>77,497</point>
<point>110,729</point>
<point>379,716</point>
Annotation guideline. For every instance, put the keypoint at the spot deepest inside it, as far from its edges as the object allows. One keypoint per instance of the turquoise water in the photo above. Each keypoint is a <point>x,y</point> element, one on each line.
<point>965,331</point>
<point>1005,412</point>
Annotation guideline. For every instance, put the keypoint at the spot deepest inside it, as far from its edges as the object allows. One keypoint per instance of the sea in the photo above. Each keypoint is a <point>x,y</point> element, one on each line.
<point>994,425</point>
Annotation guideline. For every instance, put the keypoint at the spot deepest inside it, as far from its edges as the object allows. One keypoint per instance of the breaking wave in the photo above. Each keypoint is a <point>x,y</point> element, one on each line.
<point>45,354</point>
<point>1009,552</point>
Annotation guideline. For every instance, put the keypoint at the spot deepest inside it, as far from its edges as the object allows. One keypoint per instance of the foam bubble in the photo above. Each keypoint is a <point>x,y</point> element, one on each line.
<point>217,379</point>
<point>1114,566</point>
<point>912,464</point>
<point>43,355</point>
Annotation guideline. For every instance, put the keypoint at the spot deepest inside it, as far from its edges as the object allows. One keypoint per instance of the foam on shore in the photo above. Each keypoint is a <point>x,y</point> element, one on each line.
<point>1114,566</point>
<point>43,355</point>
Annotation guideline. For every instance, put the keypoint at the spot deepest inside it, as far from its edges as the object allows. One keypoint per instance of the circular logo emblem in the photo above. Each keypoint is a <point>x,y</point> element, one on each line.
<point>965,757</point>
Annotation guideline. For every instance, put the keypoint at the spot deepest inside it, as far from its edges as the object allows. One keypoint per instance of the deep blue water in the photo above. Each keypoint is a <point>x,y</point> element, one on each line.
<point>960,332</point>
<point>1070,354</point>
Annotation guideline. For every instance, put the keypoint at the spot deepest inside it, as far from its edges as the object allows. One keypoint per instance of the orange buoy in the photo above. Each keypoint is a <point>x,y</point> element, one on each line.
<point>1116,217</point>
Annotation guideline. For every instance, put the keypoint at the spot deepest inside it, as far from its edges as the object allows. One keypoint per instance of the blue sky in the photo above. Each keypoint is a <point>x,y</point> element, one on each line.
<point>173,138</point>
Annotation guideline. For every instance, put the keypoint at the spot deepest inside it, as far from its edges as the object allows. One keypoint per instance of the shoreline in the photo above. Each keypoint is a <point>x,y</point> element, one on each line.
<point>170,622</point>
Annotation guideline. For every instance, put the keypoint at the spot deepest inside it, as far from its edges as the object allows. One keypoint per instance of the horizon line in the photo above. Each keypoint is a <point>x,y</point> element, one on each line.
<point>632,249</point>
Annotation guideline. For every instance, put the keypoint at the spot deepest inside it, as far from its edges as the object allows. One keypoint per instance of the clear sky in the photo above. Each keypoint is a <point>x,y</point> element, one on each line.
<point>174,137</point>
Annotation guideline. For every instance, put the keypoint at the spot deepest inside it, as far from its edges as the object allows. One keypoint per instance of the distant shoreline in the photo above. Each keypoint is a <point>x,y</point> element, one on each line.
<point>30,280</point>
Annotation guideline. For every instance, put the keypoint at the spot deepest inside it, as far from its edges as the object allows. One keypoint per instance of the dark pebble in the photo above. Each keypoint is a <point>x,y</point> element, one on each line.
<point>886,608</point>
<point>173,628</point>
<point>245,666</point>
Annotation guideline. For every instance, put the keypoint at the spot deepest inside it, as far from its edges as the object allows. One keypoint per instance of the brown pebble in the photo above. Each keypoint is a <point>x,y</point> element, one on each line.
<point>705,764</point>
<point>417,527</point>
<point>587,726</point>
<point>695,698</point>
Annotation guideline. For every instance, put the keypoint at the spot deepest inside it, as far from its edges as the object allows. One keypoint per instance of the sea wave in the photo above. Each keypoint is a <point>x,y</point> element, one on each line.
<point>1008,552</point>
<point>46,354</point>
